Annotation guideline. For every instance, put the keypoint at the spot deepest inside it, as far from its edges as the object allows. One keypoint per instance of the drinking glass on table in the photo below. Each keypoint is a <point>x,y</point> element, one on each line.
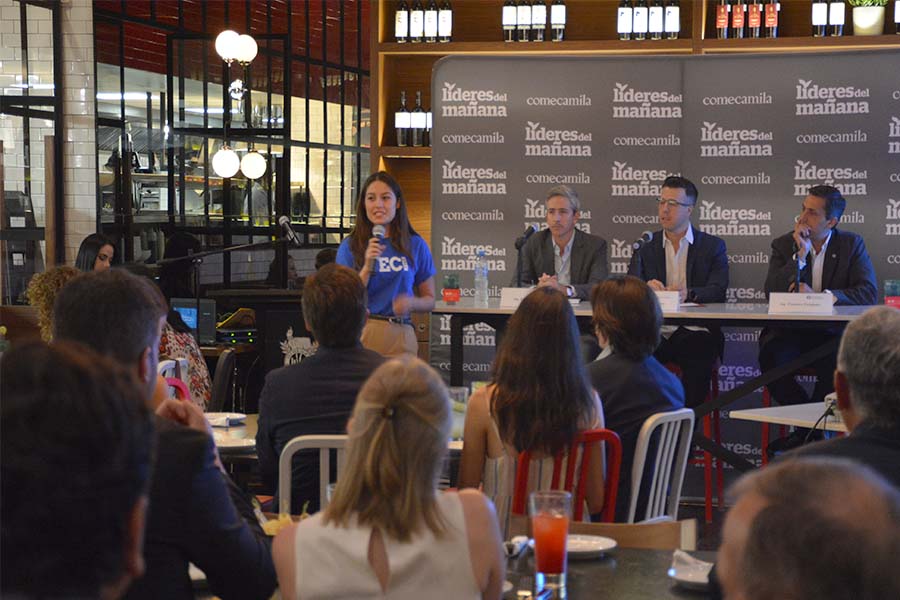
<point>550,512</point>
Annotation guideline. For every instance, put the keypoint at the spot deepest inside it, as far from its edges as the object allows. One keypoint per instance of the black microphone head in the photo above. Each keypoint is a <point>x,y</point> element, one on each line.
<point>378,231</point>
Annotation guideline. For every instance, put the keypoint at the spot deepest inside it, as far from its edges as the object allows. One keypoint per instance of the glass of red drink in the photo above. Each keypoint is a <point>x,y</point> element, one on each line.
<point>550,513</point>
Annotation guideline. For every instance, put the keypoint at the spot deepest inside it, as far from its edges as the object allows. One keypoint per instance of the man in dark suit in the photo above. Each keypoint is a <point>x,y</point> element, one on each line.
<point>683,259</point>
<point>829,261</point>
<point>867,381</point>
<point>316,396</point>
<point>196,513</point>
<point>563,256</point>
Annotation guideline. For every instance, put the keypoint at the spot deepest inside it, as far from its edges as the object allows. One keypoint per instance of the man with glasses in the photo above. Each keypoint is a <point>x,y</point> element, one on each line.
<point>562,256</point>
<point>693,263</point>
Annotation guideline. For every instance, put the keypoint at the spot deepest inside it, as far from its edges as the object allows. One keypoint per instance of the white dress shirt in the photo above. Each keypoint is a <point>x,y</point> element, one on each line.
<point>562,261</point>
<point>818,265</point>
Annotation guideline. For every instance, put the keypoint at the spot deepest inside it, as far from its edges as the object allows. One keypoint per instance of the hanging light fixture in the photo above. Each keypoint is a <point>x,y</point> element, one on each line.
<point>225,162</point>
<point>253,165</point>
<point>227,45</point>
<point>245,50</point>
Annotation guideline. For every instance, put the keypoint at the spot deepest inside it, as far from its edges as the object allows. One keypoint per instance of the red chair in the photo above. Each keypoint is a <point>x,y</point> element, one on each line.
<point>583,442</point>
<point>711,430</point>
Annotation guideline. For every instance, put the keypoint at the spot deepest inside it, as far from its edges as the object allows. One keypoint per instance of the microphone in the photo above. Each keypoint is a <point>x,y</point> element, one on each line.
<point>524,237</point>
<point>378,231</point>
<point>644,239</point>
<point>289,232</point>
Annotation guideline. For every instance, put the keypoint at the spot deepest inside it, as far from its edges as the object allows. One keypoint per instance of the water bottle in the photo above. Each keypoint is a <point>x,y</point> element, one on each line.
<point>481,281</point>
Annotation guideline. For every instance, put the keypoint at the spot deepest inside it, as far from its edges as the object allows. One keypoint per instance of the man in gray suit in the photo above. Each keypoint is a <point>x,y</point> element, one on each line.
<point>562,256</point>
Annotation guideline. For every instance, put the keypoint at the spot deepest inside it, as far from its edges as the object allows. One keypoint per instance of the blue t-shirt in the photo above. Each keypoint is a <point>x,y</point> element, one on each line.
<point>393,274</point>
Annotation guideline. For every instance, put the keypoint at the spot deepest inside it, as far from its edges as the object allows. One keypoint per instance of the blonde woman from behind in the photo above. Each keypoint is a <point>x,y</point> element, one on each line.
<point>388,532</point>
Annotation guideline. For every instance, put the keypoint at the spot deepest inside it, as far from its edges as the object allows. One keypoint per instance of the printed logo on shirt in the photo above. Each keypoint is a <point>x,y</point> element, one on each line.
<point>460,102</point>
<point>718,142</point>
<point>739,222</point>
<point>295,349</point>
<point>849,181</point>
<point>814,100</point>
<point>629,103</point>
<point>391,264</point>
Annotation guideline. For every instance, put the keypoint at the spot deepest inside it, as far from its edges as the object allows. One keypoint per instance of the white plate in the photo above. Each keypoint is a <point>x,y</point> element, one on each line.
<point>585,546</point>
<point>225,442</point>
<point>588,546</point>
<point>225,419</point>
<point>691,577</point>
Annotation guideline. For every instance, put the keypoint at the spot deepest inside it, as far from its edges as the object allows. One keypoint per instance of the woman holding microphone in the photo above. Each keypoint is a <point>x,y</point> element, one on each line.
<point>394,263</point>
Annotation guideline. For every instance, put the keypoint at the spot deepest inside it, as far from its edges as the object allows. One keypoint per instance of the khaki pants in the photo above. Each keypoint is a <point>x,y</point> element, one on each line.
<point>389,339</point>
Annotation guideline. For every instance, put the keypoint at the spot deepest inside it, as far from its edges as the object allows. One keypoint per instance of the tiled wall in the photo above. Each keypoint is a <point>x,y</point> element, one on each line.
<point>79,160</point>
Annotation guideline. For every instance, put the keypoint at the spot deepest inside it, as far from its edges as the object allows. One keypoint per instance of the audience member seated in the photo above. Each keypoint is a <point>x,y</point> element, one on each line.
<point>388,532</point>
<point>632,384</point>
<point>273,279</point>
<point>41,293</point>
<point>867,382</point>
<point>77,448</point>
<point>95,253</point>
<point>812,529</point>
<point>538,400</point>
<point>316,395</point>
<point>325,256</point>
<point>196,514</point>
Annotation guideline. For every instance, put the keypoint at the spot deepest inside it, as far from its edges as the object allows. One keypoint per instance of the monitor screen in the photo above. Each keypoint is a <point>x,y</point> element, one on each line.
<point>188,315</point>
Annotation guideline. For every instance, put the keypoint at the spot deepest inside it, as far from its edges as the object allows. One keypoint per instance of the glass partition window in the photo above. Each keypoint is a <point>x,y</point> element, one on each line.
<point>305,111</point>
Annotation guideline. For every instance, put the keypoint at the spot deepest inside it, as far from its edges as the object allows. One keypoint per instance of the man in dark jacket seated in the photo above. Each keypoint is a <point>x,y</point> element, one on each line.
<point>867,381</point>
<point>632,384</point>
<point>316,396</point>
<point>196,514</point>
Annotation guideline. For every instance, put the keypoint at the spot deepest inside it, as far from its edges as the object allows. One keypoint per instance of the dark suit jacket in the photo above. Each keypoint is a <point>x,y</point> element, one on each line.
<point>630,392</point>
<point>587,267</point>
<point>847,273</point>
<point>315,396</point>
<point>876,447</point>
<point>706,270</point>
<point>197,514</point>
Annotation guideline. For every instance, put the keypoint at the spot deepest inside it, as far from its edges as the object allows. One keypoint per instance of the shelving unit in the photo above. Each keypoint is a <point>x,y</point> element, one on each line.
<point>590,31</point>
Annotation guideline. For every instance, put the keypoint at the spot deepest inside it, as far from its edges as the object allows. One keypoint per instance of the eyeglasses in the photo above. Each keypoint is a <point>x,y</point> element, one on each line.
<point>671,203</point>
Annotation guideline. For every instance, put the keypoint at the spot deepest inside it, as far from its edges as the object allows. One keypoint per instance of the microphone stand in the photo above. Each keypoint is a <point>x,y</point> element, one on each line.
<point>520,244</point>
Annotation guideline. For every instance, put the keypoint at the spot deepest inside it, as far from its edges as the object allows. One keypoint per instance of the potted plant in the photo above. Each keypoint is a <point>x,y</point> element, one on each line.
<point>450,292</point>
<point>868,16</point>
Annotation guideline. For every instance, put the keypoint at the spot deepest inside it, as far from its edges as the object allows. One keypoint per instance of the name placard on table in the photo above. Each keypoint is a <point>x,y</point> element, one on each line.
<point>781,303</point>
<point>511,297</point>
<point>668,301</point>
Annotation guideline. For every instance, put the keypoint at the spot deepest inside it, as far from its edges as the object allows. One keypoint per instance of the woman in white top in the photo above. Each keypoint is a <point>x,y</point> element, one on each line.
<point>538,400</point>
<point>388,532</point>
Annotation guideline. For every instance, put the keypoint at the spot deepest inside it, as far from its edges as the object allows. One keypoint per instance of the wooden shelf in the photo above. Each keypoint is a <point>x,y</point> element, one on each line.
<point>801,44</point>
<point>538,48</point>
<point>405,152</point>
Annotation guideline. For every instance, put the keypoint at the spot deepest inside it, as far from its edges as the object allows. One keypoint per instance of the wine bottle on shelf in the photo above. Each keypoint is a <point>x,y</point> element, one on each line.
<point>417,122</point>
<point>401,121</point>
<point>640,19</point>
<point>655,20</point>
<point>445,22</point>
<point>431,22</point>
<point>897,17</point>
<point>738,18</point>
<point>772,8</point>
<point>836,15</point>
<point>625,21</point>
<point>755,18</point>
<point>723,11</point>
<point>509,21</point>
<point>557,20</point>
<point>523,20</point>
<point>401,22</point>
<point>819,18</point>
<point>428,128</point>
<point>416,22</point>
<point>538,20</point>
<point>672,23</point>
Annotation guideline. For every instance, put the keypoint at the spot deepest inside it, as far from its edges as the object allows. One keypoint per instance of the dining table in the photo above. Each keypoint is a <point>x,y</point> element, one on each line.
<point>620,574</point>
